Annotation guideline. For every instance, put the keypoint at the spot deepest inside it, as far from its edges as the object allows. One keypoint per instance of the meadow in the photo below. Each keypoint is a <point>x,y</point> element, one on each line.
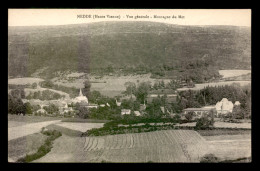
<point>233,73</point>
<point>24,80</point>
<point>18,148</point>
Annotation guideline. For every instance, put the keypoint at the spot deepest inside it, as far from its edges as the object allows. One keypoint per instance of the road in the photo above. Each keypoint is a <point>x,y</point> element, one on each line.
<point>20,131</point>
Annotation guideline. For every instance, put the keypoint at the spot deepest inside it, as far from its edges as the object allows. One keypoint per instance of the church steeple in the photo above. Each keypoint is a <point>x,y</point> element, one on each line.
<point>80,93</point>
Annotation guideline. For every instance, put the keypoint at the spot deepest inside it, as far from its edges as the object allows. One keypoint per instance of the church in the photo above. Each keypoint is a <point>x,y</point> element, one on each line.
<point>83,101</point>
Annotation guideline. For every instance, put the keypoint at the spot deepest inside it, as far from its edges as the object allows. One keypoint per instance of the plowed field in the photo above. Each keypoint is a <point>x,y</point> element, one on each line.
<point>158,146</point>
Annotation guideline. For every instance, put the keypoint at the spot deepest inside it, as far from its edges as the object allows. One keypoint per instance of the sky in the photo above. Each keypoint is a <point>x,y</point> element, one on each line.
<point>36,17</point>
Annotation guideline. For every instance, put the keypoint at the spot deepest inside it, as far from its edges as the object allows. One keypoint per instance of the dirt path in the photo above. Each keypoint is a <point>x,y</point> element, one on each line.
<point>20,131</point>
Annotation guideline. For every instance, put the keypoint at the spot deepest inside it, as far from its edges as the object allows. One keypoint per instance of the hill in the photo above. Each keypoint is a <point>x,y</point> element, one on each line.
<point>133,46</point>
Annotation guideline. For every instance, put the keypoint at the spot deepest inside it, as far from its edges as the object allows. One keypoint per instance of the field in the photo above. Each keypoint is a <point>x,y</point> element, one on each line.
<point>28,119</point>
<point>83,127</point>
<point>221,83</point>
<point>233,73</point>
<point>29,144</point>
<point>158,146</point>
<point>108,85</point>
<point>230,147</point>
<point>24,81</point>
<point>219,124</point>
<point>20,126</point>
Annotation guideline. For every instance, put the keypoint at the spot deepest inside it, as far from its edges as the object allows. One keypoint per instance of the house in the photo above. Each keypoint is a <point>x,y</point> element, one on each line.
<point>137,113</point>
<point>128,97</point>
<point>237,103</point>
<point>125,111</point>
<point>118,103</point>
<point>142,106</point>
<point>162,109</point>
<point>41,111</point>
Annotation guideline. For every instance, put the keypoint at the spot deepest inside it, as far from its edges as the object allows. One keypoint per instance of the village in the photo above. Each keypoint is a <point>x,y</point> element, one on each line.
<point>137,88</point>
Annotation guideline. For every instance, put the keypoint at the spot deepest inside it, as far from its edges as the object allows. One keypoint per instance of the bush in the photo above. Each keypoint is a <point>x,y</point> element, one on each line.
<point>204,123</point>
<point>45,148</point>
<point>189,116</point>
<point>209,158</point>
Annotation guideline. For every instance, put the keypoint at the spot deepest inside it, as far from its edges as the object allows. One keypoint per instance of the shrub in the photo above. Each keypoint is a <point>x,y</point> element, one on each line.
<point>189,116</point>
<point>209,158</point>
<point>45,148</point>
<point>204,123</point>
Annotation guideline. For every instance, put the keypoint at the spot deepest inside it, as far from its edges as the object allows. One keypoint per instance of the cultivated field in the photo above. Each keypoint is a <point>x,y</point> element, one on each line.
<point>219,124</point>
<point>83,127</point>
<point>20,126</point>
<point>221,83</point>
<point>158,146</point>
<point>24,81</point>
<point>233,73</point>
<point>108,85</point>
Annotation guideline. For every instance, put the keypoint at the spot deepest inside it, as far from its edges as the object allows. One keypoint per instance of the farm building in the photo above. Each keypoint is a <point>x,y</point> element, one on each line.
<point>223,107</point>
<point>170,94</point>
<point>125,112</point>
<point>198,111</point>
<point>170,98</point>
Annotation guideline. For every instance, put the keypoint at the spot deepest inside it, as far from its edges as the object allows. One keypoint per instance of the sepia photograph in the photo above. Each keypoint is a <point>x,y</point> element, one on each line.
<point>129,86</point>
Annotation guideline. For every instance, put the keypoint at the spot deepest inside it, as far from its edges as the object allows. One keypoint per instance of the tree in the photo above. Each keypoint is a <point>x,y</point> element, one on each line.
<point>34,85</point>
<point>130,88</point>
<point>205,121</point>
<point>237,112</point>
<point>15,105</point>
<point>83,112</point>
<point>86,88</point>
<point>28,108</point>
<point>51,109</point>
<point>142,91</point>
<point>189,115</point>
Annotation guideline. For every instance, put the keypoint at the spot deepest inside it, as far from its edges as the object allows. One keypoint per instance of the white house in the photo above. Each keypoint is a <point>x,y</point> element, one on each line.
<point>125,112</point>
<point>137,113</point>
<point>224,106</point>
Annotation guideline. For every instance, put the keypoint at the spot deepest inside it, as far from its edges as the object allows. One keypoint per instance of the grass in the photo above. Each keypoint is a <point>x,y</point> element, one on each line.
<point>30,119</point>
<point>84,120</point>
<point>82,127</point>
<point>64,130</point>
<point>43,149</point>
<point>19,147</point>
<point>233,73</point>
<point>24,81</point>
<point>223,132</point>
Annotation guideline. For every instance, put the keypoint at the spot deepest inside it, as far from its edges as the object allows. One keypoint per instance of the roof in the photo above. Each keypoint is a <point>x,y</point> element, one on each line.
<point>125,110</point>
